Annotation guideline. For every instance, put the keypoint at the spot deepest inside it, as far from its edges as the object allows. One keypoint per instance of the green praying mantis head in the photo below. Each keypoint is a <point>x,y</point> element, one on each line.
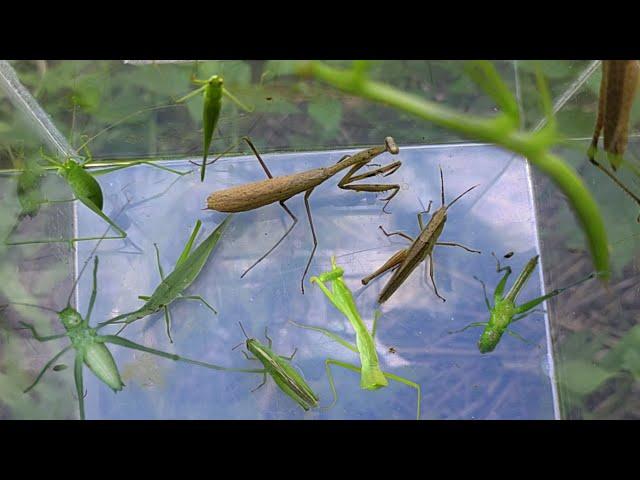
<point>339,295</point>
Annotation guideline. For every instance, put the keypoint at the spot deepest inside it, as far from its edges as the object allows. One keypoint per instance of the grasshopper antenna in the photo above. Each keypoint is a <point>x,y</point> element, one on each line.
<point>442,186</point>
<point>242,328</point>
<point>462,195</point>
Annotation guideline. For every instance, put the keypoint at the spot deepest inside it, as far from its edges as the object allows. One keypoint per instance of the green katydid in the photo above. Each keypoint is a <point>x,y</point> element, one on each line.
<point>213,91</point>
<point>187,269</point>
<point>285,376</point>
<point>90,347</point>
<point>371,376</point>
<point>505,311</point>
<point>85,187</point>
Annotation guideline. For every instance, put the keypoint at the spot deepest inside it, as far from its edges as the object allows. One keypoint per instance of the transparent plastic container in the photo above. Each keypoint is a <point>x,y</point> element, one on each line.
<point>578,360</point>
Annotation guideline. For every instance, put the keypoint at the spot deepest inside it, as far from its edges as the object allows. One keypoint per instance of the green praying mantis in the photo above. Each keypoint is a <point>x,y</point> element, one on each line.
<point>279,368</point>
<point>187,268</point>
<point>504,311</point>
<point>91,348</point>
<point>371,375</point>
<point>214,90</point>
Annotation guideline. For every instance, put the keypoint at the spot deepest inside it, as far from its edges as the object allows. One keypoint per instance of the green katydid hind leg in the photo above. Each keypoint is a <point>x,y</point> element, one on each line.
<point>46,367</point>
<point>471,325</point>
<point>88,203</point>
<point>123,342</point>
<point>525,307</point>
<point>79,383</point>
<point>150,163</point>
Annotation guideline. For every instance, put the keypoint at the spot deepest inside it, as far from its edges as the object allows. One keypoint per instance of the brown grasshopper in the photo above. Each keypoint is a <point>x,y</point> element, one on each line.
<point>617,91</point>
<point>406,260</point>
<point>279,189</point>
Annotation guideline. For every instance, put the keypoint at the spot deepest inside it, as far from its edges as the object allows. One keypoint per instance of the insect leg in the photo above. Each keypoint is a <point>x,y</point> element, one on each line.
<point>295,220</point>
<point>376,316</point>
<point>453,244</point>
<point>94,209</point>
<point>290,357</point>
<point>403,235</point>
<point>313,233</point>
<point>329,334</point>
<point>267,337</point>
<point>94,290</point>
<point>167,321</point>
<point>155,245</point>
<point>104,171</point>
<point>200,299</point>
<point>431,276</point>
<point>236,101</point>
<point>420,222</point>
<point>484,290</point>
<point>408,383</point>
<point>123,342</point>
<point>474,324</point>
<point>520,317</point>
<point>393,262</point>
<point>46,367</point>
<point>79,383</point>
<point>518,336</point>
<point>497,294</point>
<point>264,380</point>
<point>40,338</point>
<point>327,364</point>
<point>247,355</point>
<point>345,182</point>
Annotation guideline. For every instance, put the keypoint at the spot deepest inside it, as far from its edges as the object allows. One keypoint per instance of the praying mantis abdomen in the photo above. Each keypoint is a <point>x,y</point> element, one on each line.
<point>258,194</point>
<point>100,361</point>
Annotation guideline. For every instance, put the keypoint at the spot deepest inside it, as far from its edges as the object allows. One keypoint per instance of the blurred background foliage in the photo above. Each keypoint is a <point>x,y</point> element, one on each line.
<point>596,339</point>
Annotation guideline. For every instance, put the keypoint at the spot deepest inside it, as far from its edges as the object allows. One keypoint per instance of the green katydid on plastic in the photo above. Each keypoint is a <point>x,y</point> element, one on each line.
<point>504,311</point>
<point>82,183</point>
<point>371,375</point>
<point>186,270</point>
<point>91,348</point>
<point>213,92</point>
<point>279,368</point>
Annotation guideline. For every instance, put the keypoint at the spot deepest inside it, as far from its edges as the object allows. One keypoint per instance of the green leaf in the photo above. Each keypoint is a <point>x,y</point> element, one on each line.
<point>327,113</point>
<point>582,377</point>
<point>625,354</point>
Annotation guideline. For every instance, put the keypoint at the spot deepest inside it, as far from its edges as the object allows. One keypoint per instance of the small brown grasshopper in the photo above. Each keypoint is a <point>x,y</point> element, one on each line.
<point>406,260</point>
<point>279,189</point>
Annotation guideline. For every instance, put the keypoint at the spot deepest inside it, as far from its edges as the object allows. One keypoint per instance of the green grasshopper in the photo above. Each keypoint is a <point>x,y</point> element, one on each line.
<point>187,269</point>
<point>285,376</point>
<point>505,311</point>
<point>91,349</point>
<point>371,376</point>
<point>86,188</point>
<point>213,91</point>
<point>408,259</point>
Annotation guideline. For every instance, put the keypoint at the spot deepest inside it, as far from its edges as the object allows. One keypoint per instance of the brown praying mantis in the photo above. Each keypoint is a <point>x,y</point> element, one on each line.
<point>617,91</point>
<point>254,195</point>
<point>407,260</point>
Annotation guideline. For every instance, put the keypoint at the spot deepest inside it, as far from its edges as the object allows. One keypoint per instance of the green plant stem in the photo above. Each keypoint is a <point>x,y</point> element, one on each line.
<point>501,130</point>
